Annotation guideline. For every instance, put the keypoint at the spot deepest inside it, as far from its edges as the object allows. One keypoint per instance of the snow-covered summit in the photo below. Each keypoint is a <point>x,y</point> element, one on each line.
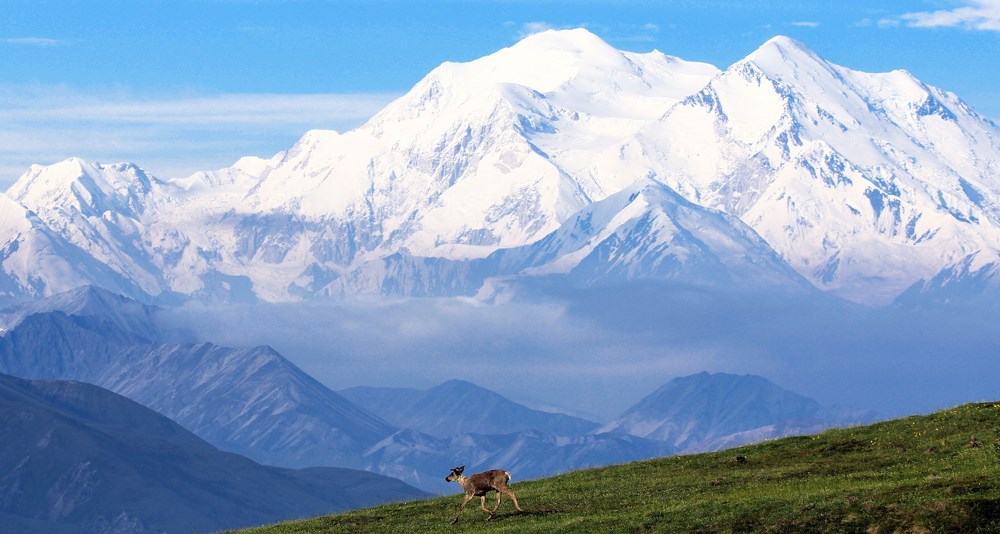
<point>862,182</point>
<point>482,154</point>
<point>781,55</point>
<point>89,188</point>
<point>542,61</point>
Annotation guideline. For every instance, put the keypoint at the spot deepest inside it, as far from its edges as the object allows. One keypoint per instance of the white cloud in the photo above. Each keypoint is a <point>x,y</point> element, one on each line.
<point>806,24</point>
<point>171,135</point>
<point>975,15</point>
<point>226,109</point>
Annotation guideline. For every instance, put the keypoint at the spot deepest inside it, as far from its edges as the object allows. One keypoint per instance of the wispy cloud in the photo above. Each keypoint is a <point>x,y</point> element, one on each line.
<point>806,24</point>
<point>219,110</point>
<point>171,135</point>
<point>32,41</point>
<point>974,15</point>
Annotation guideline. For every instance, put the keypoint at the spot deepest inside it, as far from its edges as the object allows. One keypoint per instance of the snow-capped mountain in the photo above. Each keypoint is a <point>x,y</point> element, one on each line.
<point>648,231</point>
<point>99,210</point>
<point>862,183</point>
<point>37,261</point>
<point>644,232</point>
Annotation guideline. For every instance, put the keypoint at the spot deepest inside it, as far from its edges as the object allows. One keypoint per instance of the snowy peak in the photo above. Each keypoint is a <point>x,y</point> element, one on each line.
<point>783,55</point>
<point>478,155</point>
<point>37,261</point>
<point>863,182</point>
<point>557,61</point>
<point>87,188</point>
<point>98,212</point>
<point>543,61</point>
<point>572,71</point>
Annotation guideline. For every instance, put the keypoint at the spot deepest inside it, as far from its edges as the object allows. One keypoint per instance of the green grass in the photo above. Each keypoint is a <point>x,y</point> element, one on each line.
<point>934,473</point>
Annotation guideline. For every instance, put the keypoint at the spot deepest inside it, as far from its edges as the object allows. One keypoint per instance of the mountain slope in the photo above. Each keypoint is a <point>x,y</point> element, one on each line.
<point>103,210</point>
<point>460,423</point>
<point>647,231</point>
<point>77,458</point>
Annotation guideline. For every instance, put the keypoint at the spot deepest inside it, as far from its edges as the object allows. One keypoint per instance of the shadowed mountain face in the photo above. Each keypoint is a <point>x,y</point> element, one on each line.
<point>460,407</point>
<point>78,458</point>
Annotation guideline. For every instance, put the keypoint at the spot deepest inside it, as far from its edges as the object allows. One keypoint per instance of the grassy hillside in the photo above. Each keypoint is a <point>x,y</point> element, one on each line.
<point>935,473</point>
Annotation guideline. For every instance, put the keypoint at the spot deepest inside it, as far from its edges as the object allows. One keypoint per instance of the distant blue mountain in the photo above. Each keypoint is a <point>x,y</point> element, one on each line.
<point>460,407</point>
<point>254,402</point>
<point>251,401</point>
<point>708,411</point>
<point>418,457</point>
<point>78,458</point>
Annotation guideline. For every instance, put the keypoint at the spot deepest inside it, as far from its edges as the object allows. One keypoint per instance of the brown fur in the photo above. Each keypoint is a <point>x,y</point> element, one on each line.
<point>479,485</point>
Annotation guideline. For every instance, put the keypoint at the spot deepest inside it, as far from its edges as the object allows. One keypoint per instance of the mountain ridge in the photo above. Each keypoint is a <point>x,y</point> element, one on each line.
<point>461,407</point>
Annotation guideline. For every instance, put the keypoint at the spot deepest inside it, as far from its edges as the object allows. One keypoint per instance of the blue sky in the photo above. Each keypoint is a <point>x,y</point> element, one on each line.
<point>183,85</point>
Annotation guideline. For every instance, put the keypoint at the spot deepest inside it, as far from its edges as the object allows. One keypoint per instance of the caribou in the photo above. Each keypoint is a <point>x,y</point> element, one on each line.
<point>479,485</point>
